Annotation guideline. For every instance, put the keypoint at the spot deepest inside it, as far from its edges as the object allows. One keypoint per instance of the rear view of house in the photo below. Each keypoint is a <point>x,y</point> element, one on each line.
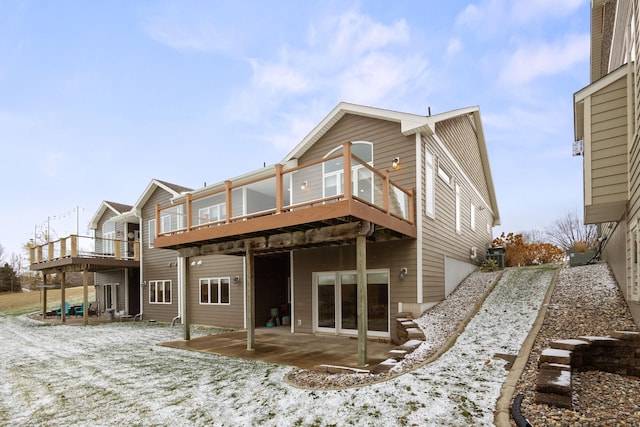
<point>373,213</point>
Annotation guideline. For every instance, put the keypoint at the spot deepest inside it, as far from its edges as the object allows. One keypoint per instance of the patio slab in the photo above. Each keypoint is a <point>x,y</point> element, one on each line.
<point>279,345</point>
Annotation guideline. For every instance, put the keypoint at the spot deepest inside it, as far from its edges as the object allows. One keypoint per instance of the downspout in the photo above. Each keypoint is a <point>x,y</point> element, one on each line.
<point>180,266</point>
<point>418,213</point>
<point>142,282</point>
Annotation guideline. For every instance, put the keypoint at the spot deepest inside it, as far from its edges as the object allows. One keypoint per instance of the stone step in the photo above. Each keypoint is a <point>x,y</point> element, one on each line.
<point>384,366</point>
<point>569,344</point>
<point>415,333</point>
<point>554,381</point>
<point>555,366</point>
<point>554,355</point>
<point>397,354</point>
<point>558,400</point>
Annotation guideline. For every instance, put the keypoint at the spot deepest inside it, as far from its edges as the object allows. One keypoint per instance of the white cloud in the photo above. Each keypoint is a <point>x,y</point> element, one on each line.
<point>530,62</point>
<point>349,57</point>
<point>453,47</point>
<point>184,29</point>
<point>489,16</point>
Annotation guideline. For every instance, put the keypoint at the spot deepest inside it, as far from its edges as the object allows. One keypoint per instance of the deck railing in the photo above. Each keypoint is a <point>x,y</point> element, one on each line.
<point>75,246</point>
<point>312,184</point>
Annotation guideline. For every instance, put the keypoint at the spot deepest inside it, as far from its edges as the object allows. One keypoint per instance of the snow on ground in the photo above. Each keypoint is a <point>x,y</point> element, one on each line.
<point>114,374</point>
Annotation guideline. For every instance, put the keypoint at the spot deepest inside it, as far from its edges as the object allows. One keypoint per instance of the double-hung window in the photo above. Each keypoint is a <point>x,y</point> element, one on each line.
<point>160,292</point>
<point>215,290</point>
<point>458,214</point>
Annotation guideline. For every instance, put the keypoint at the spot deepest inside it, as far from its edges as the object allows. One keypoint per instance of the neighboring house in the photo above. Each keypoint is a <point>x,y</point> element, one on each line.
<point>112,254</point>
<point>607,134</point>
<point>116,289</point>
<point>413,220</point>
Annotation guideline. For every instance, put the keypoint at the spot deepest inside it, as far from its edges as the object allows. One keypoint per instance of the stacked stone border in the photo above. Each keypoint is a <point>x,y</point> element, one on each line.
<point>618,352</point>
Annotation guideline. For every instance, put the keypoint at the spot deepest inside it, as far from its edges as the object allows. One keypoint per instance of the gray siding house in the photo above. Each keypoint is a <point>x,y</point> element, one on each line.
<point>375,212</point>
<point>607,133</point>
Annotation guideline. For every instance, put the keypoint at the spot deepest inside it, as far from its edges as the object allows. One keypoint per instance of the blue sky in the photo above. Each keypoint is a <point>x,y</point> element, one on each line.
<point>98,98</point>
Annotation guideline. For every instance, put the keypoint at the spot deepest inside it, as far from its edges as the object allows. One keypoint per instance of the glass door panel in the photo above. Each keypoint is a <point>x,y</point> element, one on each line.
<point>349,301</point>
<point>378,301</point>
<point>326,301</point>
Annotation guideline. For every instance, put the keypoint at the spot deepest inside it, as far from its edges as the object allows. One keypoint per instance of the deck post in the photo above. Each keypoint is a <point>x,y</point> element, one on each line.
<point>189,208</point>
<point>44,295</point>
<point>361,262</point>
<point>250,300</point>
<point>228,201</point>
<point>348,185</point>
<point>63,316</point>
<point>85,294</point>
<point>183,271</point>
<point>279,195</point>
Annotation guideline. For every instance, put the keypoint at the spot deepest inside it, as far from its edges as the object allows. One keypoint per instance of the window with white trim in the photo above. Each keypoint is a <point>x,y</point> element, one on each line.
<point>444,175</point>
<point>429,186</point>
<point>160,291</point>
<point>151,233</point>
<point>215,290</point>
<point>634,291</point>
<point>361,177</point>
<point>458,218</point>
<point>108,236</point>
<point>212,213</point>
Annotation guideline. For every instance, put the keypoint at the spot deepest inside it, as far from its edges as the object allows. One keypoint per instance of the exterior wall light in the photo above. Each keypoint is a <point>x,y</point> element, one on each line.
<point>304,186</point>
<point>395,163</point>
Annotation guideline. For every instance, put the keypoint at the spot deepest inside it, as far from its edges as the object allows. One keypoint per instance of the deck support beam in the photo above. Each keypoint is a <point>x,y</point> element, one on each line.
<point>63,314</point>
<point>44,295</point>
<point>85,295</point>
<point>250,315</point>
<point>183,271</point>
<point>361,262</point>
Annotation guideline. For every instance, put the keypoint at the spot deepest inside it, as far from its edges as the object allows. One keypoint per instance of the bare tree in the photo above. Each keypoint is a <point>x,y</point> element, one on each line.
<point>569,230</point>
<point>534,236</point>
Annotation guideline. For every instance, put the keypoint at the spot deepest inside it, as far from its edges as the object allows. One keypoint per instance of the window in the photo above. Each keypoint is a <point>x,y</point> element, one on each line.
<point>635,265</point>
<point>473,217</point>
<point>444,175</point>
<point>160,292</point>
<point>458,219</point>
<point>430,205</point>
<point>152,232</point>
<point>361,177</point>
<point>108,236</point>
<point>212,213</point>
<point>215,290</point>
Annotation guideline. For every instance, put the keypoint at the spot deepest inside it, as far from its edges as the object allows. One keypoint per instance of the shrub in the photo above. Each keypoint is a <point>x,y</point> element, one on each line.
<point>518,252</point>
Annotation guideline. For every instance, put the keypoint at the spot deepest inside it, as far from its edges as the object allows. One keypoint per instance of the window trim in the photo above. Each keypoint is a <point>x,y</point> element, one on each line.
<point>355,169</point>
<point>210,285</point>
<point>153,284</point>
<point>430,187</point>
<point>458,210</point>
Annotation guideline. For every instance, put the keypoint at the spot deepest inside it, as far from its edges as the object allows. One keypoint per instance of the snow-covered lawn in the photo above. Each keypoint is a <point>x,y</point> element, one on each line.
<point>114,374</point>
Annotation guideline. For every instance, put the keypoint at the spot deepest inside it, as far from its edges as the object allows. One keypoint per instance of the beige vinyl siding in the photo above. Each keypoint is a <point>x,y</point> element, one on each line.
<point>158,264</point>
<point>388,142</point>
<point>460,138</point>
<point>439,234</point>
<point>223,315</point>
<point>383,255</point>
<point>609,144</point>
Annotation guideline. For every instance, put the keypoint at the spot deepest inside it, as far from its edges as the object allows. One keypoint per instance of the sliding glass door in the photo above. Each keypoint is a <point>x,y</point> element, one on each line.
<point>336,302</point>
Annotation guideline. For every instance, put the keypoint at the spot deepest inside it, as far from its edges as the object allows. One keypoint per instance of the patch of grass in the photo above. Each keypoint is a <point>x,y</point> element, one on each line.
<point>27,302</point>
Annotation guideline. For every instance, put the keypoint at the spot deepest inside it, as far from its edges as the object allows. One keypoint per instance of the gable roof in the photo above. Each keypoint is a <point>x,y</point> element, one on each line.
<point>117,208</point>
<point>409,123</point>
<point>173,189</point>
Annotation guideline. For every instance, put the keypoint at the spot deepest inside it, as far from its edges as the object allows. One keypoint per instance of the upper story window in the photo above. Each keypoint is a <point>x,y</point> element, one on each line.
<point>430,188</point>
<point>458,214</point>
<point>108,236</point>
<point>361,177</point>
<point>165,225</point>
<point>212,213</point>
